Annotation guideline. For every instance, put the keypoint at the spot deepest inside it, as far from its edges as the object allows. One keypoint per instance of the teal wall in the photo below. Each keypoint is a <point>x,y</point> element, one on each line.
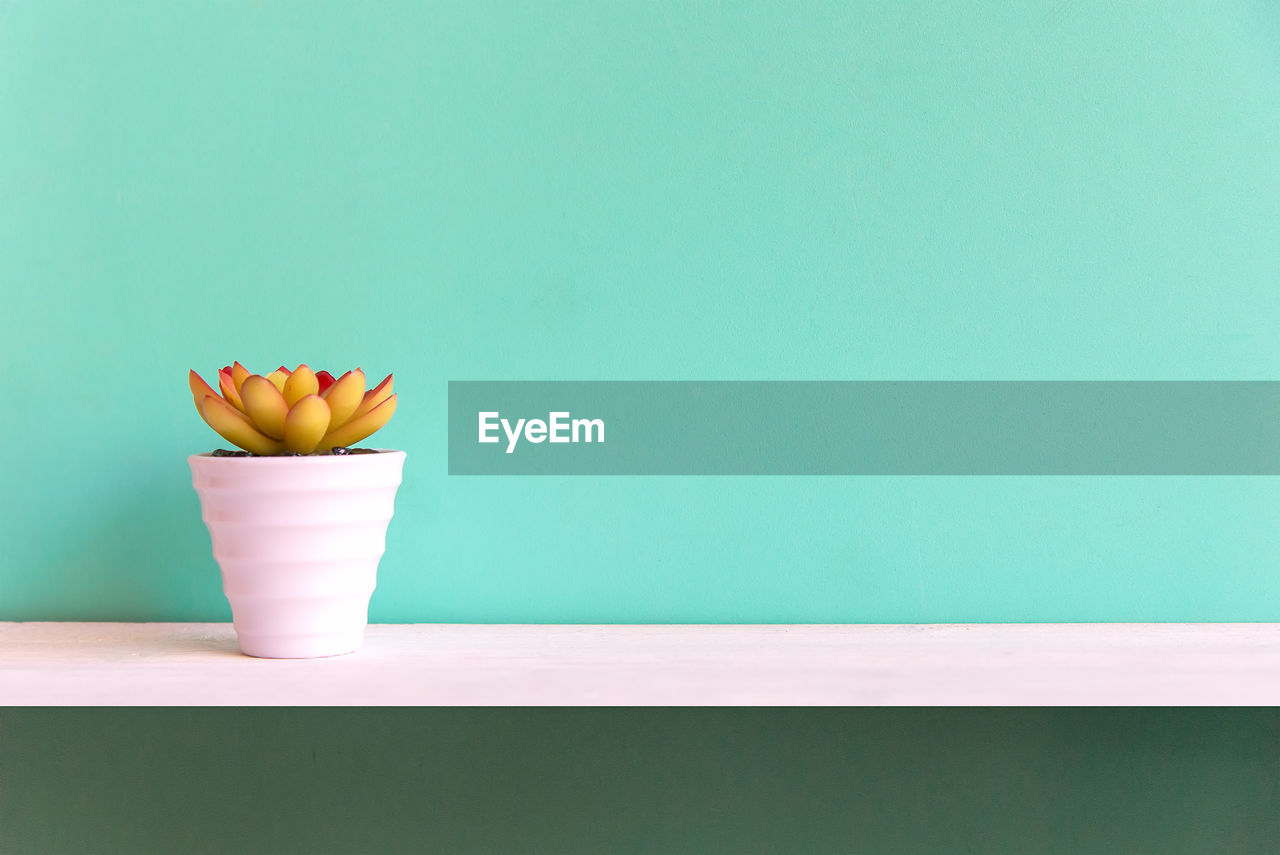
<point>638,190</point>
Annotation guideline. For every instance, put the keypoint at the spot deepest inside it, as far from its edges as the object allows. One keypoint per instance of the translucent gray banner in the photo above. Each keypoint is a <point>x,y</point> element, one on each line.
<point>864,428</point>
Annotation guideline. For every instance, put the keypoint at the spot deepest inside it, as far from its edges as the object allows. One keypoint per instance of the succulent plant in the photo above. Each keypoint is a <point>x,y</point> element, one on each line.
<point>292,412</point>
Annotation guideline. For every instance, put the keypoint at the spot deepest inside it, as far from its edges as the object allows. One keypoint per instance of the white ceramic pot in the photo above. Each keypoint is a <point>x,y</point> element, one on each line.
<point>298,540</point>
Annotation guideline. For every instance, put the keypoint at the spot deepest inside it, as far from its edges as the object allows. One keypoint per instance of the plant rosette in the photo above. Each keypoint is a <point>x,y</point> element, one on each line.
<point>298,518</point>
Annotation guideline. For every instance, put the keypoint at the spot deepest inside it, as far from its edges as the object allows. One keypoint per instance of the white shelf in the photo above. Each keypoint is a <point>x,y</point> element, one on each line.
<point>164,664</point>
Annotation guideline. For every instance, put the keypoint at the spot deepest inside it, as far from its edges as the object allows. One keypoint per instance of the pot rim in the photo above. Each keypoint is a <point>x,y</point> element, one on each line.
<point>285,460</point>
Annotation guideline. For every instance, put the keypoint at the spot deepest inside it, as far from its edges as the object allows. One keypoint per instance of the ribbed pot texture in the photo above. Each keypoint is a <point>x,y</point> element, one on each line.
<point>298,540</point>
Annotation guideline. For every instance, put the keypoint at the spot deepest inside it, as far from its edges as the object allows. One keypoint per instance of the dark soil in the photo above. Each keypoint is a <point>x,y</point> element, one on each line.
<point>339,451</point>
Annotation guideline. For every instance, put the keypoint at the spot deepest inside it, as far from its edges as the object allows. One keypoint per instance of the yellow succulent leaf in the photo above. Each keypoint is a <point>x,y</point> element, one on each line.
<point>265,405</point>
<point>228,387</point>
<point>301,383</point>
<point>278,377</point>
<point>360,427</point>
<point>232,426</point>
<point>346,393</point>
<point>373,398</point>
<point>199,388</point>
<point>306,424</point>
<point>238,375</point>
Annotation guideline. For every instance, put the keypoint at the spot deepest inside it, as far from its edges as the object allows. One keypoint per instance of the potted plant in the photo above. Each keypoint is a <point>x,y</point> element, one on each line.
<point>297,516</point>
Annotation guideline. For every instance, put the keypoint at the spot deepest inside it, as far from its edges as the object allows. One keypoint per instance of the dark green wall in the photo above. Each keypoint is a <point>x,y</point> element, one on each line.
<point>639,780</point>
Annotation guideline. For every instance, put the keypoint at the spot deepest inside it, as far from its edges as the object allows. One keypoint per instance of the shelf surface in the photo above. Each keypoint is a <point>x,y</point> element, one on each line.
<point>1107,664</point>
